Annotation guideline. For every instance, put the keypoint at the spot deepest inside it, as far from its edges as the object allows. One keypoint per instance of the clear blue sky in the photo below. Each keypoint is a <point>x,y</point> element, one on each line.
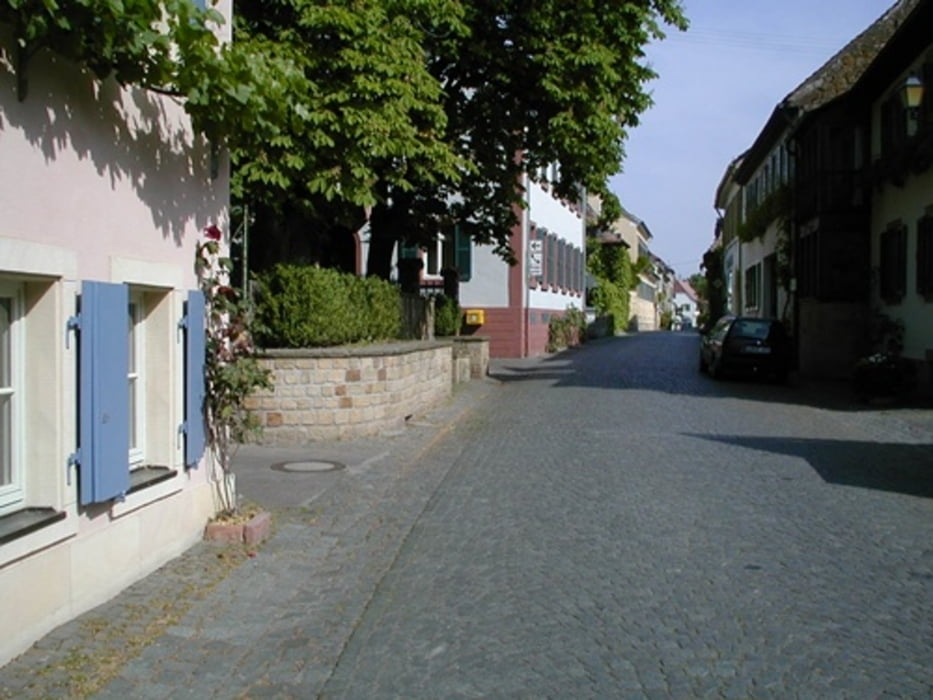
<point>719,82</point>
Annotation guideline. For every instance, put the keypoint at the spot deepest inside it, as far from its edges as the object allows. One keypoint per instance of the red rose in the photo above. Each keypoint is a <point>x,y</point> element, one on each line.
<point>213,233</point>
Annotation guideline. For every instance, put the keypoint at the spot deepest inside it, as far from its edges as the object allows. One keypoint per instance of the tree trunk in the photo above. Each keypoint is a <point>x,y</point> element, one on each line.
<point>387,224</point>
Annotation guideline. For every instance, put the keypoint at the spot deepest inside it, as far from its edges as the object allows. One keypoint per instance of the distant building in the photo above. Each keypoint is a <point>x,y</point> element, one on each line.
<point>686,304</point>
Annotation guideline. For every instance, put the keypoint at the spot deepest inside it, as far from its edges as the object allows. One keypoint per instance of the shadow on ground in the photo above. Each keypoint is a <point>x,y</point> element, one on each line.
<point>669,362</point>
<point>884,466</point>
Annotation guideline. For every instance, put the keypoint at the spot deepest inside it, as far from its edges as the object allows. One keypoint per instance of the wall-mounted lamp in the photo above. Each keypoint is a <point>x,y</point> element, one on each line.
<point>911,98</point>
<point>912,94</point>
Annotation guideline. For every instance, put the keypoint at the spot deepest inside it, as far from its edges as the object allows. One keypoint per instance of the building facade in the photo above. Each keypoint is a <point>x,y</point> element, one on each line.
<point>105,192</point>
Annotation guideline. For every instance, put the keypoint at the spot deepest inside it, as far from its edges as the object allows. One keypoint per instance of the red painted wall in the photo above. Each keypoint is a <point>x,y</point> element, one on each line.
<point>503,327</point>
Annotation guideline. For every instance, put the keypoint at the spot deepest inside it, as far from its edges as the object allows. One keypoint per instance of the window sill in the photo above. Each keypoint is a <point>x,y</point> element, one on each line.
<point>33,530</point>
<point>26,521</point>
<point>147,485</point>
<point>144,477</point>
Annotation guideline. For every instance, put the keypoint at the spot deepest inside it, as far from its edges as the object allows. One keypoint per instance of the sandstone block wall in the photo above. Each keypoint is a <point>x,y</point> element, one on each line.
<point>346,392</point>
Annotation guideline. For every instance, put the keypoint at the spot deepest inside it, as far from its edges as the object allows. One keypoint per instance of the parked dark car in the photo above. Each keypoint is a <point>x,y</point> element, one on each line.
<point>744,345</point>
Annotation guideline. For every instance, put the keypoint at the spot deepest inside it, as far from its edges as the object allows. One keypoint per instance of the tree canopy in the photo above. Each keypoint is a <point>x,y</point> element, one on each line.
<point>527,85</point>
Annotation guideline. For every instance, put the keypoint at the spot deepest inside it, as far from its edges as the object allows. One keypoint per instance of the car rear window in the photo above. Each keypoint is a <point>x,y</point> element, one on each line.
<point>751,328</point>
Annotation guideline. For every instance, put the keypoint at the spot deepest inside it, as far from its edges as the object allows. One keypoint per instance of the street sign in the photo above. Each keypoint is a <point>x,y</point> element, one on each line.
<point>535,258</point>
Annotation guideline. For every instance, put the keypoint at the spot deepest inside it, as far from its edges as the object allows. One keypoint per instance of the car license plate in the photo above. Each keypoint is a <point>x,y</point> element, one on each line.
<point>758,350</point>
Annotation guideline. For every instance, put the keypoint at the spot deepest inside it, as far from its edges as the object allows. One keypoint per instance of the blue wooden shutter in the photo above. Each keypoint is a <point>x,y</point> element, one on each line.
<point>195,347</point>
<point>104,426</point>
<point>463,252</point>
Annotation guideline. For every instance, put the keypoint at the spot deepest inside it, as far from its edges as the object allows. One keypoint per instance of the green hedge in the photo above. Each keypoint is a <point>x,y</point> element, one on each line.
<point>447,316</point>
<point>301,306</point>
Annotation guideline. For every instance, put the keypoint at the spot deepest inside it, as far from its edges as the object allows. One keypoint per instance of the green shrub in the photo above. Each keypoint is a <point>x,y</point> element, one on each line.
<point>448,316</point>
<point>302,306</point>
<point>566,331</point>
<point>615,277</point>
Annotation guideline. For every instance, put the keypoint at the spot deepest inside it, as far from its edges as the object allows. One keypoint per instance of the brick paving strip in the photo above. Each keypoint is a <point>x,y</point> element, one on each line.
<point>230,621</point>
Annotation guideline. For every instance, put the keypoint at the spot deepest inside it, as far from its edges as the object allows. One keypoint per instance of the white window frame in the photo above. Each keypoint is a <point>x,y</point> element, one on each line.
<point>13,494</point>
<point>438,258</point>
<point>136,379</point>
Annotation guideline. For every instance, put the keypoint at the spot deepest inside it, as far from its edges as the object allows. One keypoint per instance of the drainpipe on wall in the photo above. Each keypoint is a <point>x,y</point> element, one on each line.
<point>523,261</point>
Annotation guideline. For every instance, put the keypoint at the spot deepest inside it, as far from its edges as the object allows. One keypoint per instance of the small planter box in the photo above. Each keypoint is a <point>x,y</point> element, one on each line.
<point>252,532</point>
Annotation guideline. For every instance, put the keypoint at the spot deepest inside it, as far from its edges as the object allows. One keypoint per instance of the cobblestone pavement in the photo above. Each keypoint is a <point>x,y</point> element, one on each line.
<point>604,523</point>
<point>625,527</point>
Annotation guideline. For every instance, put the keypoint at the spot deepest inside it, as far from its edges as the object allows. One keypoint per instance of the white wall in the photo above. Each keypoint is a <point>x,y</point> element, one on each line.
<point>546,210</point>
<point>906,203</point>
<point>489,282</point>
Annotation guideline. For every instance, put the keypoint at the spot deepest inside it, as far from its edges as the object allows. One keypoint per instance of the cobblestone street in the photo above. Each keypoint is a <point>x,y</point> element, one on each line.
<point>625,526</point>
<point>606,522</point>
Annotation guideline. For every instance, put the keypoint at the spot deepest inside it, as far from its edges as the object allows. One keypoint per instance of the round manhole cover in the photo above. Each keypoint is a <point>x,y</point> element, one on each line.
<point>309,466</point>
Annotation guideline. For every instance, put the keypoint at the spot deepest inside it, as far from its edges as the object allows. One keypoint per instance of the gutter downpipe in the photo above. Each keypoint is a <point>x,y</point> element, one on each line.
<point>526,282</point>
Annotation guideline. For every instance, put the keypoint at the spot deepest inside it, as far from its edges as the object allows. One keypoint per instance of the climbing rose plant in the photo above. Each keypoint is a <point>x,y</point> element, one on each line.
<point>231,369</point>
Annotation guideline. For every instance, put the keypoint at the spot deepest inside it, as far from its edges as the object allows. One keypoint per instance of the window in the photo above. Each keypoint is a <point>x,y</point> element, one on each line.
<point>11,396</point>
<point>447,251</point>
<point>893,125</point>
<point>752,286</point>
<point>128,423</point>
<point>925,257</point>
<point>434,256</point>
<point>893,263</point>
<point>137,392</point>
<point>645,291</point>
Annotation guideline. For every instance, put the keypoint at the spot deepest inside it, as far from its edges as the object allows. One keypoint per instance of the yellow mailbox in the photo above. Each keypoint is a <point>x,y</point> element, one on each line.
<point>475,317</point>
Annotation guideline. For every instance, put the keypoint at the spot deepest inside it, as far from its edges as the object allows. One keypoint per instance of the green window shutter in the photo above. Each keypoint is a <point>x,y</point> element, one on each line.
<point>407,251</point>
<point>463,247</point>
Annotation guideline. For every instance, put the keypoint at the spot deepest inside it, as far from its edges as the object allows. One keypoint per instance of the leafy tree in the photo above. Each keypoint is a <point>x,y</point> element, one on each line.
<point>699,283</point>
<point>363,109</point>
<point>526,86</point>
<point>365,115</point>
<point>715,286</point>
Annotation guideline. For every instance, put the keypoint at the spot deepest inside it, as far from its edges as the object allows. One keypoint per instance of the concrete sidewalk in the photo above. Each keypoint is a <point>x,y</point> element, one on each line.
<point>225,621</point>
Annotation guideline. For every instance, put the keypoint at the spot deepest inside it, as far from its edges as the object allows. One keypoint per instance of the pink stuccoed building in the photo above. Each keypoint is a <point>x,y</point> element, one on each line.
<point>104,477</point>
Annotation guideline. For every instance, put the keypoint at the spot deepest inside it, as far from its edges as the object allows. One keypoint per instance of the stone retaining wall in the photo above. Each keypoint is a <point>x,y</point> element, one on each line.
<point>348,392</point>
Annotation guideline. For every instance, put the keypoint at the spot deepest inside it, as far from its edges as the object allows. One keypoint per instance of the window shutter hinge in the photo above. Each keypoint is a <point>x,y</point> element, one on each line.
<point>182,326</point>
<point>73,325</point>
<point>74,459</point>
